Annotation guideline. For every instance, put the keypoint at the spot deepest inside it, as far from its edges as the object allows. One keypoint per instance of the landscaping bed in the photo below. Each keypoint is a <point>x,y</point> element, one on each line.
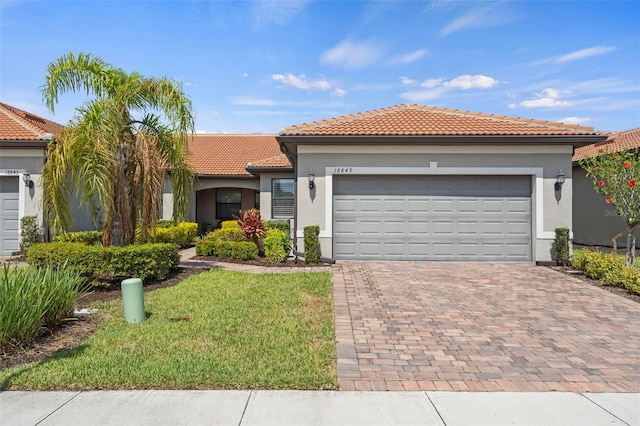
<point>78,329</point>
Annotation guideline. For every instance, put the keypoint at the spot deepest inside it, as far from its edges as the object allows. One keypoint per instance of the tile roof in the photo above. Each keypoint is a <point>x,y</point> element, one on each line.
<point>419,120</point>
<point>228,155</point>
<point>279,161</point>
<point>617,141</point>
<point>19,125</point>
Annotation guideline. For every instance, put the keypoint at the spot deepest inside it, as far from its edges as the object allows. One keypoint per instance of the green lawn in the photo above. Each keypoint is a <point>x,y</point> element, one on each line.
<point>216,330</point>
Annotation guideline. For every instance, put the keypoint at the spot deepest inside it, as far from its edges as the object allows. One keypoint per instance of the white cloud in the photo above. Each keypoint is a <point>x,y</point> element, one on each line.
<point>548,98</point>
<point>466,82</point>
<point>339,92</point>
<point>301,82</point>
<point>353,55</point>
<point>492,15</point>
<point>214,113</point>
<point>431,82</point>
<point>407,81</point>
<point>584,53</point>
<point>245,74</point>
<point>277,12</point>
<point>409,57</point>
<point>423,95</point>
<point>575,120</point>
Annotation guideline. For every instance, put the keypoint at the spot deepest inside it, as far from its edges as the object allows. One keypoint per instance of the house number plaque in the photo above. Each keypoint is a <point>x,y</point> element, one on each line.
<point>342,170</point>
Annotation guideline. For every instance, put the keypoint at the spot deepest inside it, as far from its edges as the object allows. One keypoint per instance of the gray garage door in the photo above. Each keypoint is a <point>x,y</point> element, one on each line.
<point>432,217</point>
<point>9,239</point>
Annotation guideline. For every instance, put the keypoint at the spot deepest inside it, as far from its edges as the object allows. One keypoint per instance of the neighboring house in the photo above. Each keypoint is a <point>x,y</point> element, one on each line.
<point>594,221</point>
<point>23,143</point>
<point>412,182</point>
<point>237,172</point>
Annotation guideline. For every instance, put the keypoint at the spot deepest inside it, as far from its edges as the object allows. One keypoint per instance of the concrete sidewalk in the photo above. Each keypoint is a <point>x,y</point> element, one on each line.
<point>262,407</point>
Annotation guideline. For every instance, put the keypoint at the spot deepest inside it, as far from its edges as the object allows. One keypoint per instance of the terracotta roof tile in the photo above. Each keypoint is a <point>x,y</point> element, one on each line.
<point>228,155</point>
<point>617,141</point>
<point>419,120</point>
<point>279,161</point>
<point>19,125</point>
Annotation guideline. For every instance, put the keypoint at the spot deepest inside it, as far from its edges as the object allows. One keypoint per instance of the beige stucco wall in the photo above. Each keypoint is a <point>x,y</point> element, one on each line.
<point>594,221</point>
<point>551,209</point>
<point>21,161</point>
<point>265,191</point>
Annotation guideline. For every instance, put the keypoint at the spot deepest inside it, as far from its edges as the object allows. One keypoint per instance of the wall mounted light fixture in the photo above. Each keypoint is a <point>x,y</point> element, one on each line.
<point>560,180</point>
<point>27,180</point>
<point>312,178</point>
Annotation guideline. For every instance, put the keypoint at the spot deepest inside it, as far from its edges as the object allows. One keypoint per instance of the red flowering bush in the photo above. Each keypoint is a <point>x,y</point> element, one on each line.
<point>253,226</point>
<point>614,176</point>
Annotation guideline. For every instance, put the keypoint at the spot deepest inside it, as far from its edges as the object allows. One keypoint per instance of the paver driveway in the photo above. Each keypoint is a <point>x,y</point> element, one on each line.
<point>481,326</point>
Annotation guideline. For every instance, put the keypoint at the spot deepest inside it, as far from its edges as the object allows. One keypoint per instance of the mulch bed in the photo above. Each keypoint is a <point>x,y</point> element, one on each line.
<point>261,261</point>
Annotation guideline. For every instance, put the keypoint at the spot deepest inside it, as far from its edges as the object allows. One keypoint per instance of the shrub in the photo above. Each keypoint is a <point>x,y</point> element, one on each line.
<point>282,226</point>
<point>86,237</point>
<point>607,267</point>
<point>35,298</point>
<point>182,234</point>
<point>144,261</point>
<point>205,248</point>
<point>311,244</point>
<point>226,234</point>
<point>276,245</point>
<point>229,224</point>
<point>253,226</point>
<point>165,223</point>
<point>243,250</point>
<point>28,233</point>
<point>563,253</point>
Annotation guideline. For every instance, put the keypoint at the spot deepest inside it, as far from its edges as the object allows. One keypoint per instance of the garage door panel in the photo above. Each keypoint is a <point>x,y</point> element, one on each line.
<point>9,215</point>
<point>433,217</point>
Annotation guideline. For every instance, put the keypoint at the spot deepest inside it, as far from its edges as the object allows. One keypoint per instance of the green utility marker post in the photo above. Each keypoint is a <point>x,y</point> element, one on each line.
<point>133,300</point>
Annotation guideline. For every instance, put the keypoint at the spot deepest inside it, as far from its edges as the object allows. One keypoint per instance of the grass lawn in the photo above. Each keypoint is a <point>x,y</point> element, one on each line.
<point>216,330</point>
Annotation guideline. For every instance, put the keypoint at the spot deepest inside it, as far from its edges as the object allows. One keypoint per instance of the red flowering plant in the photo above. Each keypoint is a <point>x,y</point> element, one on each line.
<point>253,226</point>
<point>614,176</point>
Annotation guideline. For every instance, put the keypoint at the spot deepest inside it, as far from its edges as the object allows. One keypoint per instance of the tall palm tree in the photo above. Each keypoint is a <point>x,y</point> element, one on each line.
<point>118,148</point>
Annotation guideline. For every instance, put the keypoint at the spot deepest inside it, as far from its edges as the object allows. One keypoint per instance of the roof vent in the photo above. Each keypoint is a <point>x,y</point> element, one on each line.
<point>48,136</point>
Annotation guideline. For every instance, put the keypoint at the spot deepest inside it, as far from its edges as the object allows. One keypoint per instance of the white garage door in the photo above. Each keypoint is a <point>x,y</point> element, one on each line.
<point>9,238</point>
<point>432,217</point>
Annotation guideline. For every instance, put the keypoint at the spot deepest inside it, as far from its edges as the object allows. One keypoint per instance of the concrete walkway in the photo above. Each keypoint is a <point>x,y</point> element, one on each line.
<point>298,408</point>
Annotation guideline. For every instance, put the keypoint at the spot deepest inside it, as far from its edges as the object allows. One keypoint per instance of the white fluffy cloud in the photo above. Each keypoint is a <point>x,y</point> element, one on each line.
<point>339,92</point>
<point>407,81</point>
<point>408,57</point>
<point>301,82</point>
<point>431,82</point>
<point>548,98</point>
<point>575,120</point>
<point>466,82</point>
<point>353,55</point>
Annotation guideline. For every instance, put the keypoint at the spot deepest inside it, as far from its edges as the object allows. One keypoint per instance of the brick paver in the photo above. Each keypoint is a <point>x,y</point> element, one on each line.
<point>481,327</point>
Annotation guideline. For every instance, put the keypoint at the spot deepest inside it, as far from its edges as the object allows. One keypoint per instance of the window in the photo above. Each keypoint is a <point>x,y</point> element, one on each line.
<point>228,202</point>
<point>257,200</point>
<point>282,198</point>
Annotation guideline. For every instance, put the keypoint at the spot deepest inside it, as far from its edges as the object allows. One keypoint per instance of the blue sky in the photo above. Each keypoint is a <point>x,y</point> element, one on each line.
<point>259,66</point>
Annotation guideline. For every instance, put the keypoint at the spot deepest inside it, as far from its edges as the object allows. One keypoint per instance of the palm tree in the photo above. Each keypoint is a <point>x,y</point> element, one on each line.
<point>117,150</point>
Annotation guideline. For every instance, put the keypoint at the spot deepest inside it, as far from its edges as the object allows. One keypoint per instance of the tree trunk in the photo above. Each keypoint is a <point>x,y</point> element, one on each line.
<point>631,248</point>
<point>121,232</point>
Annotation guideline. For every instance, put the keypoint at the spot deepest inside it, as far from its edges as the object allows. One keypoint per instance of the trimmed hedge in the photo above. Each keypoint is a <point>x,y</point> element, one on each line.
<point>144,261</point>
<point>205,248</point>
<point>311,244</point>
<point>282,226</point>
<point>607,267</point>
<point>242,250</point>
<point>229,224</point>
<point>182,234</point>
<point>86,237</point>
<point>563,251</point>
<point>276,245</point>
